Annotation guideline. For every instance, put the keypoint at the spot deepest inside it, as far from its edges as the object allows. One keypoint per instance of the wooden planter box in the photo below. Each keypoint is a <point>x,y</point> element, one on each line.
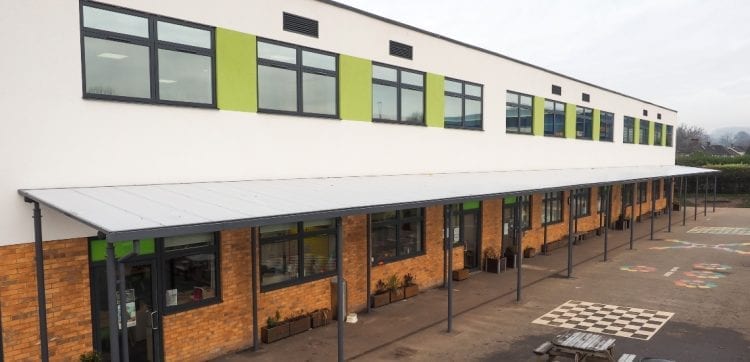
<point>273,334</point>
<point>495,265</point>
<point>529,253</point>
<point>320,317</point>
<point>299,325</point>
<point>379,300</point>
<point>397,295</point>
<point>460,274</point>
<point>411,290</point>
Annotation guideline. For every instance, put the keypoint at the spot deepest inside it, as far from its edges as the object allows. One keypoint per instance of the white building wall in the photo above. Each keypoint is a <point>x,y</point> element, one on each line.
<point>51,137</point>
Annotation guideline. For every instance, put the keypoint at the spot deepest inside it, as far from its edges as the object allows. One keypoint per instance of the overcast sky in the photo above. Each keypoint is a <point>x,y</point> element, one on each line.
<point>688,55</point>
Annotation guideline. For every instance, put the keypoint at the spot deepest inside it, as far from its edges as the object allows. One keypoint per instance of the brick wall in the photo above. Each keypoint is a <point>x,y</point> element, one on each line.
<point>68,300</point>
<point>355,261</point>
<point>211,331</point>
<point>492,225</point>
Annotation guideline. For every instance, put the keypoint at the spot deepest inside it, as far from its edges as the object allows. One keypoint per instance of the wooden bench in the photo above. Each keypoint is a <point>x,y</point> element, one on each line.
<point>627,357</point>
<point>543,349</point>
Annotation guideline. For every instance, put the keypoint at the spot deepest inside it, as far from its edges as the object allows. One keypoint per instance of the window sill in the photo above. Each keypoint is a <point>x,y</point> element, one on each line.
<point>398,122</point>
<point>186,307</point>
<point>294,282</point>
<point>464,128</point>
<point>300,114</point>
<point>521,133</point>
<point>102,97</point>
<point>397,259</point>
<point>554,136</point>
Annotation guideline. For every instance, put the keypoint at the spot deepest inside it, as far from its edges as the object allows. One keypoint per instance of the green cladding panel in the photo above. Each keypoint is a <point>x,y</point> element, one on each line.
<point>636,131</point>
<point>651,132</point>
<point>122,248</point>
<point>355,88</point>
<point>510,200</point>
<point>597,125</point>
<point>570,120</point>
<point>538,116</point>
<point>236,71</point>
<point>663,134</point>
<point>471,205</point>
<point>435,107</point>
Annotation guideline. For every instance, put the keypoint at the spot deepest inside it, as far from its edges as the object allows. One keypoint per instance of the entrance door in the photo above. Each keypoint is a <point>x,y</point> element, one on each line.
<point>144,335</point>
<point>465,224</point>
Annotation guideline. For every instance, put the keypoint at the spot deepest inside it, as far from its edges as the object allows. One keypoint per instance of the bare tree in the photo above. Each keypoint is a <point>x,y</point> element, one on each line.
<point>689,136</point>
<point>741,140</point>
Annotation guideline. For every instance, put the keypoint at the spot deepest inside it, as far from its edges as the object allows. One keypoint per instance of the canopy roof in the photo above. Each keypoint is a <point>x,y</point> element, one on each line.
<point>148,211</point>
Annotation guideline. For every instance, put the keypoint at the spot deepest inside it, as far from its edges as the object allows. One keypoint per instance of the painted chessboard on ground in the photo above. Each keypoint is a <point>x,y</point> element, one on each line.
<point>719,230</point>
<point>615,320</point>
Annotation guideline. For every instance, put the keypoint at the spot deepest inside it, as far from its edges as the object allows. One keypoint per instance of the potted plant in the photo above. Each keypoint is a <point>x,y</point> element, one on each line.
<point>410,287</point>
<point>381,296</point>
<point>320,317</point>
<point>529,252</point>
<point>299,322</point>
<point>493,262</point>
<point>275,329</point>
<point>91,357</point>
<point>394,287</point>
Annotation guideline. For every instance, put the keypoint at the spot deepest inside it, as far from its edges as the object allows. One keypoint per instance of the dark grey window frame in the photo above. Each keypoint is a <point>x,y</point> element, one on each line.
<point>643,126</point>
<point>656,188</point>
<point>399,85</point>
<point>581,197</point>
<point>554,117</point>
<point>586,119</point>
<point>163,256</point>
<point>642,192</point>
<point>517,117</point>
<point>464,97</point>
<point>300,71</point>
<point>658,128</point>
<point>398,221</point>
<point>549,199</point>
<point>606,126</point>
<point>300,238</point>
<point>670,131</point>
<point>626,193</point>
<point>153,45</point>
<point>628,123</point>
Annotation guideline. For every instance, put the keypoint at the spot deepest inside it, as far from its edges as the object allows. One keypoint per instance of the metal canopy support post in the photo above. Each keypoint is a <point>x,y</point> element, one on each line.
<point>41,293</point>
<point>340,312</point>
<point>517,234</point>
<point>570,234</point>
<point>449,250</point>
<point>653,206</point>
<point>705,197</point>
<point>114,346</point>
<point>369,261</point>
<point>254,283</point>
<point>695,204</point>
<point>608,219</point>
<point>123,311</point>
<point>670,205</point>
<point>714,193</point>
<point>546,221</point>
<point>632,213</point>
<point>684,200</point>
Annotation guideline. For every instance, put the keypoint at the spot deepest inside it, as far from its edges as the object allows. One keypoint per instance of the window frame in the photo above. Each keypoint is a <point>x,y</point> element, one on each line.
<point>656,188</point>
<point>643,125</point>
<point>604,135</point>
<point>300,239</point>
<point>628,137</point>
<point>626,193</point>
<point>580,197</point>
<point>299,70</point>
<point>399,221</point>
<point>642,192</point>
<point>585,117</point>
<point>670,134</point>
<point>399,85</point>
<point>657,133</point>
<point>464,97</point>
<point>554,197</point>
<point>163,256</point>
<point>153,44</point>
<point>554,118</point>
<point>518,107</point>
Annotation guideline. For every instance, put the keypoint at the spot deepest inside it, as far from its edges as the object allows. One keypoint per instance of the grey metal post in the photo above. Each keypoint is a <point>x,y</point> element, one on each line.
<point>684,200</point>
<point>714,193</point>
<point>340,312</point>
<point>570,234</point>
<point>670,204</point>
<point>41,293</point>
<point>519,245</point>
<point>653,206</point>
<point>632,213</point>
<point>640,204</point>
<point>449,249</point>
<point>695,204</point>
<point>705,198</point>
<point>114,346</point>
<point>123,312</point>
<point>254,275</point>
<point>546,219</point>
<point>369,261</point>
<point>608,220</point>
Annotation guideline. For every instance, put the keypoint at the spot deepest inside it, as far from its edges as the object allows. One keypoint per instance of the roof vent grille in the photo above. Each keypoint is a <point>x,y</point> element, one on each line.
<point>401,50</point>
<point>645,113</point>
<point>300,25</point>
<point>585,97</point>
<point>556,89</point>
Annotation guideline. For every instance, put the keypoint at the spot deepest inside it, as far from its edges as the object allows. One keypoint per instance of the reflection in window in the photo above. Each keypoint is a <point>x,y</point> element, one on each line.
<point>397,95</point>
<point>584,122</point>
<point>554,119</point>
<point>606,126</point>
<point>554,212</point>
<point>518,113</point>
<point>190,269</point>
<point>642,191</point>
<point>657,133</point>
<point>670,129</point>
<point>280,72</point>
<point>643,132</point>
<point>463,104</point>
<point>581,202</point>
<point>117,69</point>
<point>627,195</point>
<point>184,77</point>
<point>628,134</point>
<point>396,234</point>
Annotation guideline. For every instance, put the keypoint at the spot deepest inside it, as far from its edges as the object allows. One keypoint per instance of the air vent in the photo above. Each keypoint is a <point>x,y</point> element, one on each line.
<point>585,97</point>
<point>300,25</point>
<point>556,89</point>
<point>645,113</point>
<point>401,50</point>
<point>658,116</point>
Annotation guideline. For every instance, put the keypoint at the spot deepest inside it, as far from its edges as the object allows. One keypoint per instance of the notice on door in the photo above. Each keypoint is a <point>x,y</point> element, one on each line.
<point>129,308</point>
<point>171,297</point>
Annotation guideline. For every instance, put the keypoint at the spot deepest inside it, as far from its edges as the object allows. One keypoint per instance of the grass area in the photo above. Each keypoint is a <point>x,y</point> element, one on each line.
<point>723,200</point>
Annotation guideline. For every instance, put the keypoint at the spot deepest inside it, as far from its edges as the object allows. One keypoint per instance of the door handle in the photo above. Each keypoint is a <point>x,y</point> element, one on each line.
<point>154,320</point>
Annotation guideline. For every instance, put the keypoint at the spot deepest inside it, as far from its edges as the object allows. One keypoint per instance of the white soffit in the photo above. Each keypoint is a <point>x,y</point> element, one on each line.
<point>135,212</point>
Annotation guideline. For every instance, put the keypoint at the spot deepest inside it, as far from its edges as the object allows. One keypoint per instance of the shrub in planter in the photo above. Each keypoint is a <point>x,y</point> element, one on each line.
<point>410,287</point>
<point>394,287</point>
<point>91,357</point>
<point>529,252</point>
<point>299,323</point>
<point>492,260</point>
<point>381,296</point>
<point>320,317</point>
<point>275,329</point>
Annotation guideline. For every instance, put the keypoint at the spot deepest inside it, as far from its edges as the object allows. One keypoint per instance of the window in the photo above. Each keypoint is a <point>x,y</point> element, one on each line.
<point>666,187</point>
<point>670,129</point>
<point>581,202</point>
<point>628,134</point>
<point>584,122</point>
<point>190,269</point>
<point>465,221</point>
<point>627,195</point>
<point>463,104</point>
<point>601,198</point>
<point>642,191</point>
<point>643,132</point>
<point>525,210</point>
<point>296,80</point>
<point>397,95</point>
<point>554,118</point>
<point>657,134</point>
<point>606,126</point>
<point>297,252</point>
<point>518,113</point>
<point>554,212</point>
<point>397,234</point>
<point>656,188</point>
<point>134,56</point>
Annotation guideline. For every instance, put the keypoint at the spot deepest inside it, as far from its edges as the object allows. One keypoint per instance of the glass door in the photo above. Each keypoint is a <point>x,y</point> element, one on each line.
<point>465,230</point>
<point>144,335</point>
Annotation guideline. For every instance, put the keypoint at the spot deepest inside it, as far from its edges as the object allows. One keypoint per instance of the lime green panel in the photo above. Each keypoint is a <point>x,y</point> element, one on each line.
<point>236,71</point>
<point>651,132</point>
<point>664,134</point>
<point>99,248</point>
<point>636,131</point>
<point>597,126</point>
<point>355,88</point>
<point>570,120</point>
<point>435,107</point>
<point>471,205</point>
<point>538,116</point>
<point>510,200</point>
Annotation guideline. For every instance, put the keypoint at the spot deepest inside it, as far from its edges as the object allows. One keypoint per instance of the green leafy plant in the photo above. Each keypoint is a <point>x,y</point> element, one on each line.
<point>92,356</point>
<point>380,287</point>
<point>273,321</point>
<point>393,283</point>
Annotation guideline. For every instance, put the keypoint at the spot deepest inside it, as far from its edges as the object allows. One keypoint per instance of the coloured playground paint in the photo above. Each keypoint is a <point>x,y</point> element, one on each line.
<point>712,267</point>
<point>695,283</point>
<point>730,247</point>
<point>704,274</point>
<point>638,268</point>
